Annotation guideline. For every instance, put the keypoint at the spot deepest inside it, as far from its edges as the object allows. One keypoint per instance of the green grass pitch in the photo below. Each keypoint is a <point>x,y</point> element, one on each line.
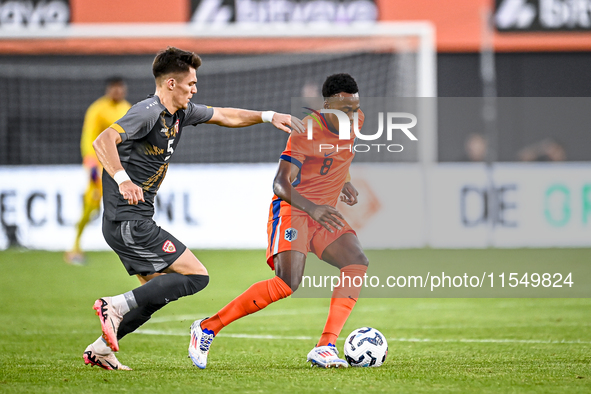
<point>436,345</point>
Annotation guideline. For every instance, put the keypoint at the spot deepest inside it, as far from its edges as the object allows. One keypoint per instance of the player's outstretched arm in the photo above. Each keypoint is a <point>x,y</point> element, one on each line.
<point>234,117</point>
<point>105,147</point>
<point>326,215</point>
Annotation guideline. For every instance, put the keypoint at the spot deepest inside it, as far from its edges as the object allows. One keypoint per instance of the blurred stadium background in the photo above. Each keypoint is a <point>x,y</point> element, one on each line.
<point>55,56</point>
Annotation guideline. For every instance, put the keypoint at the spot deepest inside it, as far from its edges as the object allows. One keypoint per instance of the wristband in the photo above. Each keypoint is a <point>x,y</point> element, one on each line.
<point>267,116</point>
<point>121,176</point>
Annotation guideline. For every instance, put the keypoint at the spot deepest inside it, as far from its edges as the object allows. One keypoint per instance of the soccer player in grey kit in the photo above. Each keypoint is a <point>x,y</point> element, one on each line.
<point>135,152</point>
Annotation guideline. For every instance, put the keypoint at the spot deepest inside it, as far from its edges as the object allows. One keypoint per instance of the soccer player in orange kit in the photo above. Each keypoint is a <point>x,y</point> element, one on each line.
<point>303,218</point>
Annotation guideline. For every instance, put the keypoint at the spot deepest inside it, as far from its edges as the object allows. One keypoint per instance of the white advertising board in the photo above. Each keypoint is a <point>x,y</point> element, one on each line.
<point>400,206</point>
<point>391,208</point>
<point>529,205</point>
<point>204,206</point>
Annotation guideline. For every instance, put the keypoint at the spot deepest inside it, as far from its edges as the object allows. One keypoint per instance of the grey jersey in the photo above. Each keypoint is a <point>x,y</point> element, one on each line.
<point>149,135</point>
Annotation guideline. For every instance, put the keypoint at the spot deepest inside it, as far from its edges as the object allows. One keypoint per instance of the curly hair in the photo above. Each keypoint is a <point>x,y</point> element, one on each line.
<point>339,83</point>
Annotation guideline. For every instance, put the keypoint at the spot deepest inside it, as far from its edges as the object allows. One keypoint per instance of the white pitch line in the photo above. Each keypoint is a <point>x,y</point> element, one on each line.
<point>245,336</point>
<point>166,319</point>
<point>273,312</point>
<point>277,312</point>
<point>466,340</point>
<point>190,318</point>
<point>280,337</point>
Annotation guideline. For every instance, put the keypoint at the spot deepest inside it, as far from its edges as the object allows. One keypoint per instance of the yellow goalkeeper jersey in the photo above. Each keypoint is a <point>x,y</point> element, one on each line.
<point>100,115</point>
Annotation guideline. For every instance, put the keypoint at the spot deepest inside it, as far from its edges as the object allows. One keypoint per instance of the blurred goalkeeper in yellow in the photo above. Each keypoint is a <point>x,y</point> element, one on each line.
<point>99,116</point>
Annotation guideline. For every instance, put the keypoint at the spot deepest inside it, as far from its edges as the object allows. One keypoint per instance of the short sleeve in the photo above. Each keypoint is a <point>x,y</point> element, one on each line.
<point>288,155</point>
<point>197,113</point>
<point>298,148</point>
<point>137,122</point>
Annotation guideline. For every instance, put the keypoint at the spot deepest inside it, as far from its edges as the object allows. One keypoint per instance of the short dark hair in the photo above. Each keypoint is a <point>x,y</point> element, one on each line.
<point>114,80</point>
<point>339,83</point>
<point>174,60</point>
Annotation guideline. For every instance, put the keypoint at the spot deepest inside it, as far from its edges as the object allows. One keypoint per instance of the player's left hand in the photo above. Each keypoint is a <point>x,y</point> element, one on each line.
<point>94,168</point>
<point>287,123</point>
<point>95,175</point>
<point>350,194</point>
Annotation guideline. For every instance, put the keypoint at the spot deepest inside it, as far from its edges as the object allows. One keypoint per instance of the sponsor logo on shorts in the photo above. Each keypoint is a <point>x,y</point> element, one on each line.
<point>291,234</point>
<point>168,247</point>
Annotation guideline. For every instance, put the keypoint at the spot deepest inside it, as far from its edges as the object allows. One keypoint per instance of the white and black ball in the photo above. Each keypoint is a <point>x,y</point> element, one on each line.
<point>366,347</point>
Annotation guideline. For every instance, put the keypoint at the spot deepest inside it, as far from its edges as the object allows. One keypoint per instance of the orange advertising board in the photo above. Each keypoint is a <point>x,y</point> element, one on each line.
<point>459,27</point>
<point>118,11</point>
<point>458,23</point>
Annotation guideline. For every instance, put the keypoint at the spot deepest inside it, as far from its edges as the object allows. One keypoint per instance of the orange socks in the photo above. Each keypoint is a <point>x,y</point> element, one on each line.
<point>257,297</point>
<point>263,293</point>
<point>342,302</point>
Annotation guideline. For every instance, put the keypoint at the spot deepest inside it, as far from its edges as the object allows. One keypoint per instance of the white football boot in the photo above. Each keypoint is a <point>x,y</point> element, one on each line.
<point>326,357</point>
<point>105,361</point>
<point>200,343</point>
<point>110,320</point>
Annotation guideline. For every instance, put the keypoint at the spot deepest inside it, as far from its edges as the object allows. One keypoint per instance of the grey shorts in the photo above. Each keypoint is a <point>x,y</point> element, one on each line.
<point>143,247</point>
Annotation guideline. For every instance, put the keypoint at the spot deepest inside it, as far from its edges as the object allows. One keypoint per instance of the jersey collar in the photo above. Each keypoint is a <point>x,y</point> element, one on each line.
<point>162,105</point>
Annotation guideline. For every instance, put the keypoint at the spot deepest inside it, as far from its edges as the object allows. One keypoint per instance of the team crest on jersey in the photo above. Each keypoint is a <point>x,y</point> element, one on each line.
<point>168,247</point>
<point>291,234</point>
<point>171,131</point>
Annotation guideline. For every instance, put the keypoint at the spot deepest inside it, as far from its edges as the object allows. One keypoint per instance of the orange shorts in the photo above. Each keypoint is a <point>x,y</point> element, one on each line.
<point>300,233</point>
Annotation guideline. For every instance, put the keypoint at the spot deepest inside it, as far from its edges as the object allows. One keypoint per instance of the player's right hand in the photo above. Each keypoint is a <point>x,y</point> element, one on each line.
<point>131,192</point>
<point>328,216</point>
<point>288,123</point>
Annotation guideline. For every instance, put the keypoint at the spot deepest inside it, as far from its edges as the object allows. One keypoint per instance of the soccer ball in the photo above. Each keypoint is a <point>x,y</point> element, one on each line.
<point>366,347</point>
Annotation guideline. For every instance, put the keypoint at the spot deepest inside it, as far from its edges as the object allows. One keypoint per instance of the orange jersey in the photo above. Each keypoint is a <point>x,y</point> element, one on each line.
<point>324,165</point>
